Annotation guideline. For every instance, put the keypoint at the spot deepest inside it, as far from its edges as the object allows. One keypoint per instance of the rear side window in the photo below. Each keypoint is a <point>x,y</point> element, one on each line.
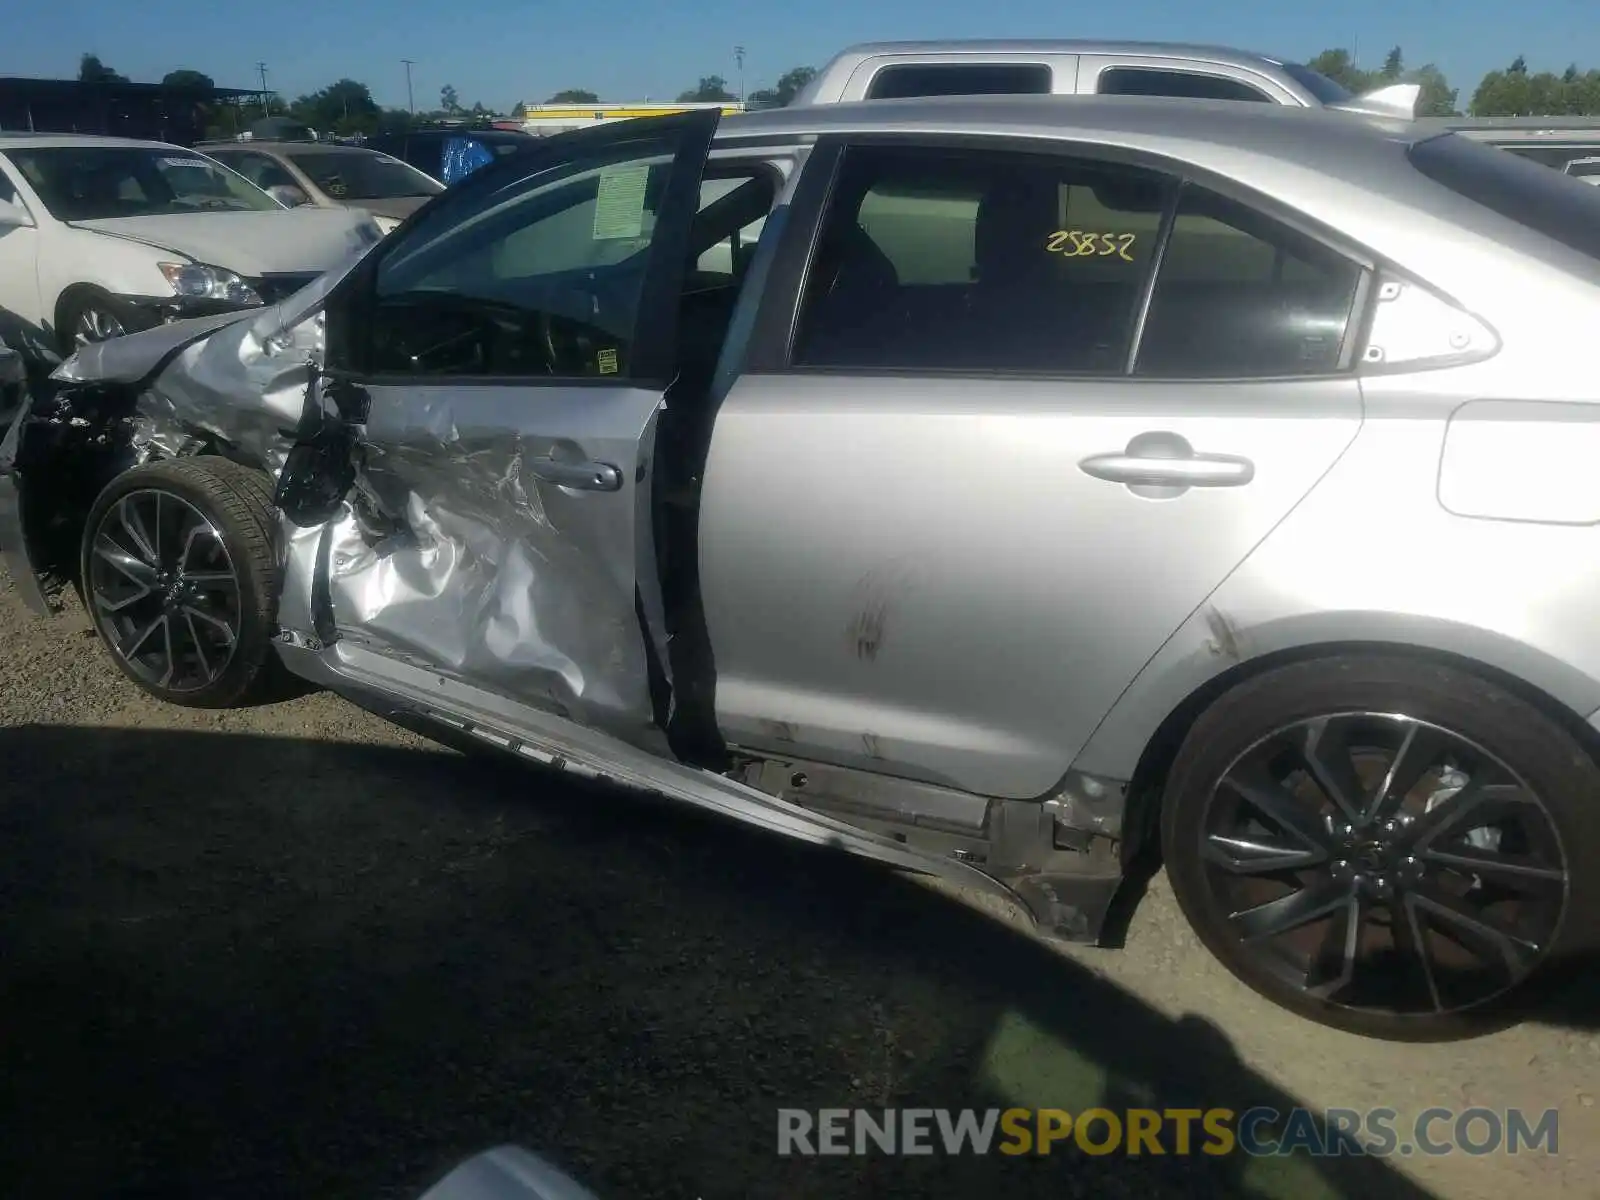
<point>960,79</point>
<point>1240,295</point>
<point>1564,209</point>
<point>1189,85</point>
<point>980,261</point>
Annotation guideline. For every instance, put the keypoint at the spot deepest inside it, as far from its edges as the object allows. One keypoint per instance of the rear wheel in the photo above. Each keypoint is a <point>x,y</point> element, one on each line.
<point>180,578</point>
<point>1385,845</point>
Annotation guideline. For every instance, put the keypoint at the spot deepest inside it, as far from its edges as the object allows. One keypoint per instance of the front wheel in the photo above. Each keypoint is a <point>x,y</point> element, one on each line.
<point>180,577</point>
<point>1385,845</point>
<point>94,316</point>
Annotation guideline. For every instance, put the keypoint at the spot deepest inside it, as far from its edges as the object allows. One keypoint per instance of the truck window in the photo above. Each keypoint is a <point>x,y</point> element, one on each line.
<point>1189,85</point>
<point>960,79</point>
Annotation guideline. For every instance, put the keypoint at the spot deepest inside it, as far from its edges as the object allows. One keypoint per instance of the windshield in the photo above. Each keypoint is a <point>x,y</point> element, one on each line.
<point>1319,85</point>
<point>362,175</point>
<point>1537,197</point>
<point>91,183</point>
<point>1584,168</point>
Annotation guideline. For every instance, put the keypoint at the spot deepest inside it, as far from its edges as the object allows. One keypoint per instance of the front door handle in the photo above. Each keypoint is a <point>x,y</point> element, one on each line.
<point>1165,460</point>
<point>588,476</point>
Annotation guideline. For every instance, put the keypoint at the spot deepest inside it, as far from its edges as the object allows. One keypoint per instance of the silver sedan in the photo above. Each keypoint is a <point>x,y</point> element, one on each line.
<point>1003,489</point>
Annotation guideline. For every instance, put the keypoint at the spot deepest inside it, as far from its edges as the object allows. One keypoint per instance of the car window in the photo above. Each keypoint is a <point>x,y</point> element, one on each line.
<point>726,259</point>
<point>1189,85</point>
<point>260,169</point>
<point>362,175</point>
<point>8,190</point>
<point>87,183</point>
<point>960,79</point>
<point>980,260</point>
<point>1238,294</point>
<point>1584,168</point>
<point>1564,209</point>
<point>540,276</point>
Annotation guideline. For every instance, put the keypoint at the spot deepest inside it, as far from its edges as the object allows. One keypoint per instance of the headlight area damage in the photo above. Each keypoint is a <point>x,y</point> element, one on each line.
<point>419,584</point>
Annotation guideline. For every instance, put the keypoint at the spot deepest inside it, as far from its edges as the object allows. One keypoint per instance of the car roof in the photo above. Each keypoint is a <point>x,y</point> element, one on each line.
<point>284,147</point>
<point>1282,131</point>
<point>1189,50</point>
<point>51,141</point>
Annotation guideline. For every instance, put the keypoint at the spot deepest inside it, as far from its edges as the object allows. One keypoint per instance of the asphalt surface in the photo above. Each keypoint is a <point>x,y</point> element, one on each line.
<point>295,952</point>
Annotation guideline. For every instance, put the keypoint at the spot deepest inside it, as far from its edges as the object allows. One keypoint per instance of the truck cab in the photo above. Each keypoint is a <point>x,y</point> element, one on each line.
<point>895,70</point>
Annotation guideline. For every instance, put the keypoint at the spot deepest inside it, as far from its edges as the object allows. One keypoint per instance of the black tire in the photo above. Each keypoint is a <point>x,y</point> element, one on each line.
<point>126,316</point>
<point>1398,870</point>
<point>204,669</point>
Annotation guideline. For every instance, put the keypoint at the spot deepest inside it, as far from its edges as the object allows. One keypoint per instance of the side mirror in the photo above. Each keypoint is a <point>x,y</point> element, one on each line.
<point>288,195</point>
<point>14,216</point>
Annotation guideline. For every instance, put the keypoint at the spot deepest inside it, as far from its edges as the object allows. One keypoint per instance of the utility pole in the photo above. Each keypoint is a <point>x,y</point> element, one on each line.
<point>738,57</point>
<point>410,101</point>
<point>266,96</point>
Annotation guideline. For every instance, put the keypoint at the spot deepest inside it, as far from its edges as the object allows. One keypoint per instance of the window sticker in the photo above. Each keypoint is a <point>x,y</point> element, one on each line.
<point>606,360</point>
<point>619,203</point>
<point>1076,243</point>
<point>201,163</point>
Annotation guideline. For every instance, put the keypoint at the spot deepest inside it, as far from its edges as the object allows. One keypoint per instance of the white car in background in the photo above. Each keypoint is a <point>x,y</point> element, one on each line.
<point>102,236</point>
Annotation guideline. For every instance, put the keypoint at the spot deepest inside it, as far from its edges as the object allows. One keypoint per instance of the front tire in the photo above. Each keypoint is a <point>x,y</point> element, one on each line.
<point>180,577</point>
<point>1386,845</point>
<point>94,316</point>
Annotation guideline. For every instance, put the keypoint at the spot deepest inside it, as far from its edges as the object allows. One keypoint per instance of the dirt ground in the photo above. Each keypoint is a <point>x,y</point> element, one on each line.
<point>295,952</point>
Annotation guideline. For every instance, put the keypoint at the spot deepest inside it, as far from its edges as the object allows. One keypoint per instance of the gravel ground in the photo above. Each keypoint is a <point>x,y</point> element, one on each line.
<point>295,952</point>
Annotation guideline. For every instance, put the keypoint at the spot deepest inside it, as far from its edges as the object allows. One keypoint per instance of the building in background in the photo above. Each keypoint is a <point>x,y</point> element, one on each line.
<point>545,119</point>
<point>154,111</point>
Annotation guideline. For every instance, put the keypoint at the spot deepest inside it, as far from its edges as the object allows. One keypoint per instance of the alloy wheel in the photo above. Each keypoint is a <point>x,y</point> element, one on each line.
<point>96,324</point>
<point>164,590</point>
<point>1381,863</point>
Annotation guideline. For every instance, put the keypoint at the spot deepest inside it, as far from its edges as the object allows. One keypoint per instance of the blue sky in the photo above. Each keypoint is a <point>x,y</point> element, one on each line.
<point>502,51</point>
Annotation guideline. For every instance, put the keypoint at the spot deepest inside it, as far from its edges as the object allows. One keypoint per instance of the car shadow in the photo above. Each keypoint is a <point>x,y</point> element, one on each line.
<point>248,966</point>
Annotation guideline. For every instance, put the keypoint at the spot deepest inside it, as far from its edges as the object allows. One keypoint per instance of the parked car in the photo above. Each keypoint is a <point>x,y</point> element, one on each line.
<point>1055,481</point>
<point>101,236</point>
<point>450,155</point>
<point>1047,66</point>
<point>330,176</point>
<point>1586,169</point>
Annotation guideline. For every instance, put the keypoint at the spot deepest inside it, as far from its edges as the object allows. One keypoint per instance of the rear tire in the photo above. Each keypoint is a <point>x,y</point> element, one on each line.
<point>1469,880</point>
<point>180,577</point>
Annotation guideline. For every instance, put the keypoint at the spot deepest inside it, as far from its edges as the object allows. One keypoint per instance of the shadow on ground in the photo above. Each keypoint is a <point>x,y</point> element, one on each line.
<point>243,966</point>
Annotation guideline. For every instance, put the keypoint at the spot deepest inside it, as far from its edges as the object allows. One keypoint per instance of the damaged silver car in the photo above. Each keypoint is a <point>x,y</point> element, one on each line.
<point>1050,481</point>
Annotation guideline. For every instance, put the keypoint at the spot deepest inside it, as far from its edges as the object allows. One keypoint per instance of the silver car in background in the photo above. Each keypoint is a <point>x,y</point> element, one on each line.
<point>1054,480</point>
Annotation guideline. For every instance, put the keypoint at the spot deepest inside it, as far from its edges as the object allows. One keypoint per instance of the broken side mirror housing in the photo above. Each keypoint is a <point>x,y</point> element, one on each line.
<point>1395,100</point>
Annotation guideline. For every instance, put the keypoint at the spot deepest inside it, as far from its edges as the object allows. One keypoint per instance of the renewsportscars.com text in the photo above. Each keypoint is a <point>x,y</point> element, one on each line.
<point>1379,1132</point>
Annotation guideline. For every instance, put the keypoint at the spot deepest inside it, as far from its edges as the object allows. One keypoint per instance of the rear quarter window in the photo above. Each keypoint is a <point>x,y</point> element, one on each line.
<point>1563,209</point>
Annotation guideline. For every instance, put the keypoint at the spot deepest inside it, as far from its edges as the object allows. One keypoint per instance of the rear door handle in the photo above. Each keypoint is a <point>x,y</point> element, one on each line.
<point>1167,460</point>
<point>1203,470</point>
<point>587,476</point>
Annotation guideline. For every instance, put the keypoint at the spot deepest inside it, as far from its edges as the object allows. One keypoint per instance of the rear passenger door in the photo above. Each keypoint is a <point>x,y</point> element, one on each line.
<point>1030,409</point>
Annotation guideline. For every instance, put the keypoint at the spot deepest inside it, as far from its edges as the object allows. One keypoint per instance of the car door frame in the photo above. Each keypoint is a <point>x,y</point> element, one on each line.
<point>651,360</point>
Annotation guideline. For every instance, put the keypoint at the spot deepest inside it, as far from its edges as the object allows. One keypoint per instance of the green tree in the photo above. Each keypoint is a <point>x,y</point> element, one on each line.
<point>1338,66</point>
<point>1438,98</point>
<point>344,106</point>
<point>1394,66</point>
<point>574,96</point>
<point>92,70</point>
<point>185,78</point>
<point>710,88</point>
<point>785,90</point>
<point>448,100</point>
